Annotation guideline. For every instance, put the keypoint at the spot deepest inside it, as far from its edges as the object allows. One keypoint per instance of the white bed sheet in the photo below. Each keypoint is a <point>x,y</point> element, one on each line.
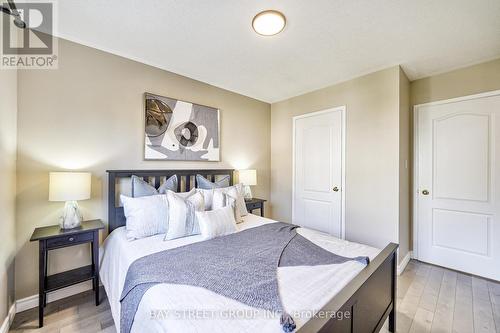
<point>303,289</point>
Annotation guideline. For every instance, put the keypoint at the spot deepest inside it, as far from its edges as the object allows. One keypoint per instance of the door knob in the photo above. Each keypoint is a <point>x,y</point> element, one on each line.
<point>425,192</point>
<point>335,189</point>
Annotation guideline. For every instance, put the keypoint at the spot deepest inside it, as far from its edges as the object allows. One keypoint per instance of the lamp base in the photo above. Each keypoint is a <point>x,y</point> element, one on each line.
<point>247,192</point>
<point>71,218</point>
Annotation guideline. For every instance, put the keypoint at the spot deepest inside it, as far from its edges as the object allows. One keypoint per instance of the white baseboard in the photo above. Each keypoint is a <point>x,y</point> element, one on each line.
<point>8,320</point>
<point>30,302</point>
<point>404,262</point>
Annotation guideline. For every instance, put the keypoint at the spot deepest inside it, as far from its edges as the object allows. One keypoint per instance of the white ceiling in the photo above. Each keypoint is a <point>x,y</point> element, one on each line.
<point>324,42</point>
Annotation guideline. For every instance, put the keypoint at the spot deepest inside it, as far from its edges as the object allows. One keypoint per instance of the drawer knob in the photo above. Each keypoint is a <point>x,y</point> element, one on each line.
<point>71,239</point>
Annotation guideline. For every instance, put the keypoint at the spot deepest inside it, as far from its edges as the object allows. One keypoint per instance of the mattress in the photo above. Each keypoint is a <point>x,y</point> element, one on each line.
<point>181,308</point>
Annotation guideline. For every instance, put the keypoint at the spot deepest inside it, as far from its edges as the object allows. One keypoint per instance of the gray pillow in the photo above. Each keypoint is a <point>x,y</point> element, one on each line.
<point>203,183</point>
<point>141,188</point>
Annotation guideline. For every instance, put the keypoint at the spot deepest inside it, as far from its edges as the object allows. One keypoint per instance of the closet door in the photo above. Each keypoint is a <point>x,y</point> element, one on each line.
<point>318,171</point>
<point>458,198</point>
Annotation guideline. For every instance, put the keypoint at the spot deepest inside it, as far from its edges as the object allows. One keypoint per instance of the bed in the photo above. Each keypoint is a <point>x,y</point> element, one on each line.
<point>348,297</point>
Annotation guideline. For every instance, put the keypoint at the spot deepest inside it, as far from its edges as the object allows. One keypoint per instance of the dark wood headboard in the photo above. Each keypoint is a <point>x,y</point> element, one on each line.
<point>116,216</point>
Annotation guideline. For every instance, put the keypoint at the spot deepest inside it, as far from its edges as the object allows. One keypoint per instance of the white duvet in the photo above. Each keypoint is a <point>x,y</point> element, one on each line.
<point>182,308</point>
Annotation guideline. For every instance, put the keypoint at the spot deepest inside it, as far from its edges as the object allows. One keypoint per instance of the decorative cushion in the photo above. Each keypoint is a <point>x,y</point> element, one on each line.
<point>146,216</point>
<point>215,223</point>
<point>141,188</point>
<point>203,183</point>
<point>184,195</point>
<point>228,196</point>
<point>221,200</point>
<point>235,198</point>
<point>242,206</point>
<point>240,202</point>
<point>208,195</point>
<point>182,220</point>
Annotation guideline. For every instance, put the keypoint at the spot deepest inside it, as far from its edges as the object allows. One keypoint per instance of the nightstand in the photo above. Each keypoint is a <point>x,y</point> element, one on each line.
<point>255,203</point>
<point>53,237</point>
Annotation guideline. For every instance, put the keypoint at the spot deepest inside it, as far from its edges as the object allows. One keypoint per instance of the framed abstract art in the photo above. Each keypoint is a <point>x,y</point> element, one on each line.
<point>180,131</point>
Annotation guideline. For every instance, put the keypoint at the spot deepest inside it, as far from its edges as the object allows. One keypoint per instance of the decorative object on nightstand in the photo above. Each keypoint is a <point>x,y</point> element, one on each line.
<point>248,178</point>
<point>255,203</point>
<point>69,187</point>
<point>53,237</point>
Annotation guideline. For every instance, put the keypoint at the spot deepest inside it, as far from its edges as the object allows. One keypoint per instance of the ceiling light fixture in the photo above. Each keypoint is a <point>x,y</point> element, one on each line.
<point>269,23</point>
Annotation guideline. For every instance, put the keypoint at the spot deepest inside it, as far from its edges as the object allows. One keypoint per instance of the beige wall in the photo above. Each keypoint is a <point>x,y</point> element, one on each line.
<point>461,82</point>
<point>404,164</point>
<point>88,115</point>
<point>372,149</point>
<point>8,119</point>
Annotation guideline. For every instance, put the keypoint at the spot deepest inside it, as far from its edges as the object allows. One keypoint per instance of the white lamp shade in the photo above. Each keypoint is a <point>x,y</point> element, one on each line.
<point>248,177</point>
<point>69,186</point>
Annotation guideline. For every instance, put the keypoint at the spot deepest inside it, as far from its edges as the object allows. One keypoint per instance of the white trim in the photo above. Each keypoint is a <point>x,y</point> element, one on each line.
<point>342,110</point>
<point>415,189</point>
<point>9,319</point>
<point>26,303</point>
<point>31,302</point>
<point>415,181</point>
<point>461,98</point>
<point>402,265</point>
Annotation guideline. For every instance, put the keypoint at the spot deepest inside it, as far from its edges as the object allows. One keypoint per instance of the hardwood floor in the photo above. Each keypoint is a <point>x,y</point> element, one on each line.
<point>76,314</point>
<point>435,299</point>
<point>430,299</point>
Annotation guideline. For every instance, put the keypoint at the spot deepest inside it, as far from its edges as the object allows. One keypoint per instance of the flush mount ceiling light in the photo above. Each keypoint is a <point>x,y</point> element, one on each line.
<point>269,22</point>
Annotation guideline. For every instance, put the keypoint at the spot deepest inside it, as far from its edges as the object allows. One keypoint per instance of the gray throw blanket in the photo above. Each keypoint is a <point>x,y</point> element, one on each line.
<point>242,266</point>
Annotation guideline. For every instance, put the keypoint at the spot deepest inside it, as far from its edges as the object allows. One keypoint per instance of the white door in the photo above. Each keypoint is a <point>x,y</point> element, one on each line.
<point>318,171</point>
<point>458,195</point>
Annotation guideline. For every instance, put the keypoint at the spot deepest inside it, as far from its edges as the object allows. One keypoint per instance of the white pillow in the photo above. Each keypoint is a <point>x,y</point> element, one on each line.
<point>240,202</point>
<point>146,216</point>
<point>221,200</point>
<point>208,195</point>
<point>227,197</point>
<point>182,220</point>
<point>185,194</point>
<point>215,223</point>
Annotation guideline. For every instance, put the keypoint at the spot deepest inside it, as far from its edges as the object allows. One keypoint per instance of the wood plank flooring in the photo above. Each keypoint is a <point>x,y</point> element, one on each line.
<point>76,314</point>
<point>438,300</point>
<point>430,299</point>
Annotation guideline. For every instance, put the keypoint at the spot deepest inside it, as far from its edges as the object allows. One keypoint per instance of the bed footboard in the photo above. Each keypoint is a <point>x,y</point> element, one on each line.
<point>363,304</point>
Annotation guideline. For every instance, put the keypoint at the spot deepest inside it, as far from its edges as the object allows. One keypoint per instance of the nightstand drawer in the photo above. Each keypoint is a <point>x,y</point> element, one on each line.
<point>254,205</point>
<point>69,240</point>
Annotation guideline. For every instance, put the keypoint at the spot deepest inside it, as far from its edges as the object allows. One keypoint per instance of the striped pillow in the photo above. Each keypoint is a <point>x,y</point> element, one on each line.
<point>182,220</point>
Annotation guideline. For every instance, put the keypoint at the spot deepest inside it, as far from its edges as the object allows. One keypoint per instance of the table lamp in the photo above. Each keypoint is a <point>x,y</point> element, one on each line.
<point>248,178</point>
<point>69,187</point>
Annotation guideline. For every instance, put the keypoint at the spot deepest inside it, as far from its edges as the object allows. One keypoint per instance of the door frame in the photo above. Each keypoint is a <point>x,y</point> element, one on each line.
<point>415,185</point>
<point>342,110</point>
